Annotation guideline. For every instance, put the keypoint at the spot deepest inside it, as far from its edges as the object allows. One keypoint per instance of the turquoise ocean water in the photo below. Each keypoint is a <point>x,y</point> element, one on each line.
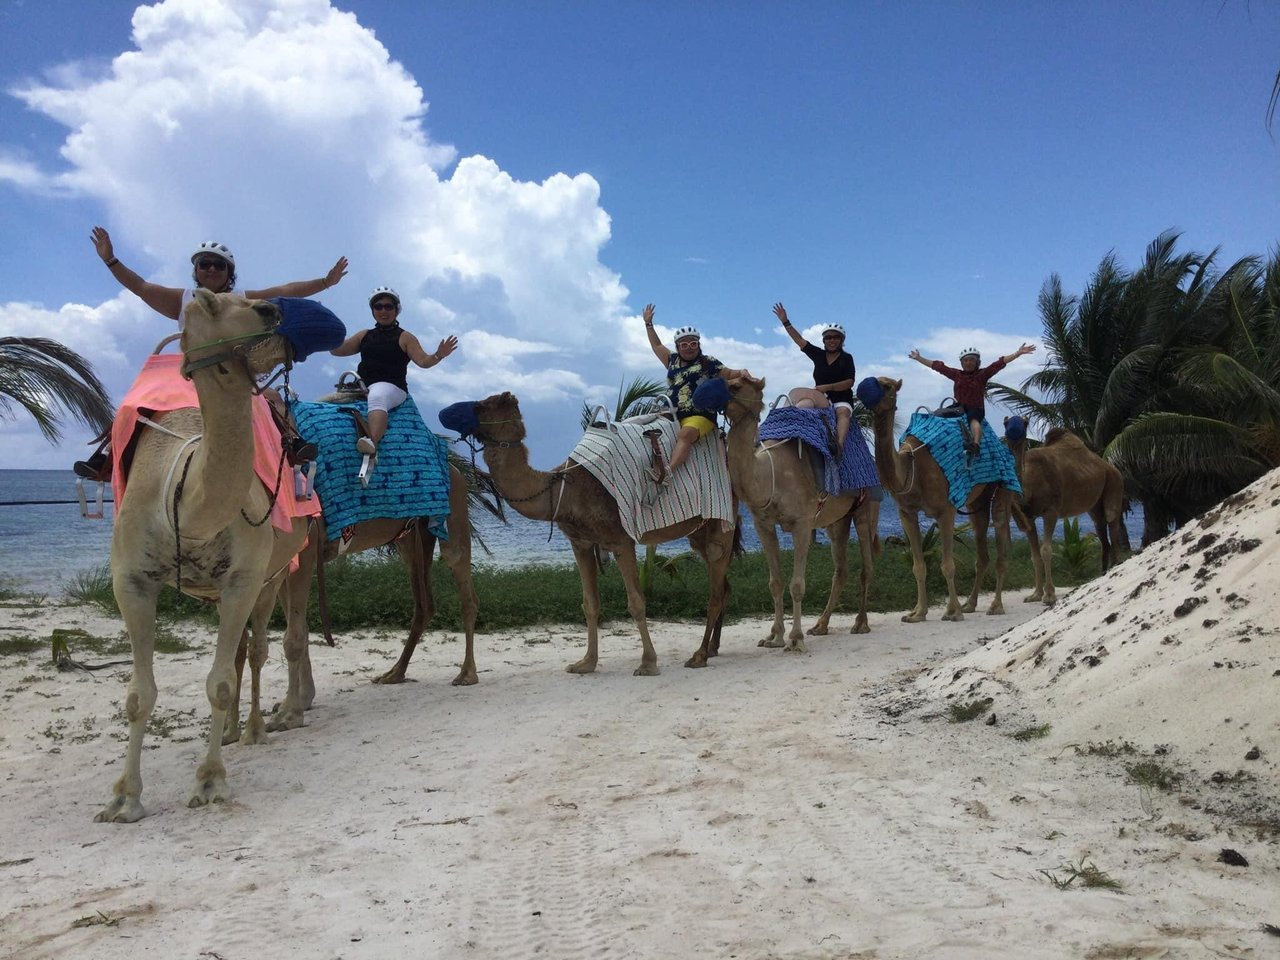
<point>44,546</point>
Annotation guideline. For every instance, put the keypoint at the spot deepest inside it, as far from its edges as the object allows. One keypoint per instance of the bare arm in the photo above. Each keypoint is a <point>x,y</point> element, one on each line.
<point>780,312</point>
<point>1024,349</point>
<point>303,288</point>
<point>915,355</point>
<point>410,345</point>
<point>163,300</point>
<point>659,351</point>
<point>350,346</point>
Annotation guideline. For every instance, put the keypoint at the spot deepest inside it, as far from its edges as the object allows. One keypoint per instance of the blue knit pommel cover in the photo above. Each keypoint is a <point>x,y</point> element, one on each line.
<point>712,394</point>
<point>460,417</point>
<point>870,393</point>
<point>309,326</point>
<point>1015,428</point>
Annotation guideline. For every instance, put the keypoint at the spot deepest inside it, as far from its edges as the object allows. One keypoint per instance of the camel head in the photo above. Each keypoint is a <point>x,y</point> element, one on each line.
<point>1015,431</point>
<point>880,395</point>
<point>746,398</point>
<point>226,327</point>
<point>499,420</point>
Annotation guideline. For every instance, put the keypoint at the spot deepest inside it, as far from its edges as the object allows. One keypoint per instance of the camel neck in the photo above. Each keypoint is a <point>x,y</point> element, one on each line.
<point>743,433</point>
<point>520,484</point>
<point>888,459</point>
<point>222,465</point>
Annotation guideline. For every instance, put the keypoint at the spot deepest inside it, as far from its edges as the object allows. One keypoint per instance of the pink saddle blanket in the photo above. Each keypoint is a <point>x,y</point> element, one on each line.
<point>160,387</point>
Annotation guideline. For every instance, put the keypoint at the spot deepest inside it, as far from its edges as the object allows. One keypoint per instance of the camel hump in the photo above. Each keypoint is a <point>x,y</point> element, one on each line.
<point>1056,434</point>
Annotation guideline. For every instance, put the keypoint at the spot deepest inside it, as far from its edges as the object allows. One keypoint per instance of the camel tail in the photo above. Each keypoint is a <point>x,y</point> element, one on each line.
<point>738,549</point>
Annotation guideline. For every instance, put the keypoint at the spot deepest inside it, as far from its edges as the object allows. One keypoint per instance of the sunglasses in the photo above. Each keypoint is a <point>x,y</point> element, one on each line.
<point>832,336</point>
<point>384,305</point>
<point>217,266</point>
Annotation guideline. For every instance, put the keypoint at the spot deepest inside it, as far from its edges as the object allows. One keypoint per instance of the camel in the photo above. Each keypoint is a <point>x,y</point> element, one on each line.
<point>206,496</point>
<point>917,483</point>
<point>587,514</point>
<point>1063,478</point>
<point>778,487</point>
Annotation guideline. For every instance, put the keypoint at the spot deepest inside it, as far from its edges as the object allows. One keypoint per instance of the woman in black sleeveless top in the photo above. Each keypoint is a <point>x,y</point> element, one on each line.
<point>833,374</point>
<point>385,351</point>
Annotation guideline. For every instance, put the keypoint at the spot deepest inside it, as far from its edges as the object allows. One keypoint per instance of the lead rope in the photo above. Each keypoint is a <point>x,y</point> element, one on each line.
<point>177,537</point>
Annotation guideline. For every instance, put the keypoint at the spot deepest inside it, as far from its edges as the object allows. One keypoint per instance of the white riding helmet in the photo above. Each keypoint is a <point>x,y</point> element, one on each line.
<point>686,333</point>
<point>970,352</point>
<point>215,248</point>
<point>384,292</point>
<point>833,328</point>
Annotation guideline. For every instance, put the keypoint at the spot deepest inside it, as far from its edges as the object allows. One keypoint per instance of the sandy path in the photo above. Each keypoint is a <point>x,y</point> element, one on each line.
<point>765,807</point>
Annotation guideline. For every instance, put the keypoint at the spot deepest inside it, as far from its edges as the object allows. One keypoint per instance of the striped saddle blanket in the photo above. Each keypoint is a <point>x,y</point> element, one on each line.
<point>619,456</point>
<point>412,474</point>
<point>944,436</point>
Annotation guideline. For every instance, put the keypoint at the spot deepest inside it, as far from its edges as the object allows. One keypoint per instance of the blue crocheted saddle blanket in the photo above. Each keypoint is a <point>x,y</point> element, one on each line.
<point>944,436</point>
<point>411,478</point>
<point>855,470</point>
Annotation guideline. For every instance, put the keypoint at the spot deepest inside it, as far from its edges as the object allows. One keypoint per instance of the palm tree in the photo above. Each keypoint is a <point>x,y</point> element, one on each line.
<point>48,379</point>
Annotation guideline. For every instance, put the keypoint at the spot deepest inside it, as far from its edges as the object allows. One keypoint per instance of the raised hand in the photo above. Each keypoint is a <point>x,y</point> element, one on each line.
<point>102,243</point>
<point>780,312</point>
<point>447,346</point>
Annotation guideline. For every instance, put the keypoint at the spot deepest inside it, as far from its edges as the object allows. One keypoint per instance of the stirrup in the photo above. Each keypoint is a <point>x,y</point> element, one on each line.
<point>303,475</point>
<point>90,514</point>
<point>367,464</point>
<point>298,450</point>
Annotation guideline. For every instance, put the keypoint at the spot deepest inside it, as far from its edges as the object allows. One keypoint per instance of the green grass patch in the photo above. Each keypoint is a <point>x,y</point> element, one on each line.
<point>964,712</point>
<point>1108,749</point>
<point>11,646</point>
<point>1082,874</point>
<point>1149,773</point>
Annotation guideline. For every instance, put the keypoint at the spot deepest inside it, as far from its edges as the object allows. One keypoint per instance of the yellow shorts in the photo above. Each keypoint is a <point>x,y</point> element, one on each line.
<point>701,424</point>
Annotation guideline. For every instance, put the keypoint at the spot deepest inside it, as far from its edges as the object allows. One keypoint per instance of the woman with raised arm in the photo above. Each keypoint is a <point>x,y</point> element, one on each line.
<point>833,375</point>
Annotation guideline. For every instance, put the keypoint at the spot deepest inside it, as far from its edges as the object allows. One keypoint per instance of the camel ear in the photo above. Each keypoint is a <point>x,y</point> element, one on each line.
<point>897,385</point>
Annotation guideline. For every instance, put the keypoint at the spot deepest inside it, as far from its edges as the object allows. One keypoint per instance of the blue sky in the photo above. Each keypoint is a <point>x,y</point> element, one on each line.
<point>530,174</point>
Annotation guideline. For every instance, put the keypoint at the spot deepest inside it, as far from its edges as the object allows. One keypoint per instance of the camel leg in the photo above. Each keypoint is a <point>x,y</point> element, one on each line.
<point>456,552</point>
<point>297,590</point>
<point>768,535</point>
<point>911,527</point>
<point>1028,526</point>
<point>864,520</point>
<point>234,606</point>
<point>584,555</point>
<point>1049,596</point>
<point>136,598</point>
<point>232,731</point>
<point>1000,511</point>
<point>717,553</point>
<point>839,534</point>
<point>417,551</point>
<point>1098,515</point>
<point>947,530</point>
<point>255,730</point>
<point>979,520</point>
<point>630,571</point>
<point>801,538</point>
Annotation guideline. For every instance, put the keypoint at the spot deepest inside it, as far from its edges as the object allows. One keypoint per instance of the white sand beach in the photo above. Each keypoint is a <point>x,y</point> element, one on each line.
<point>818,805</point>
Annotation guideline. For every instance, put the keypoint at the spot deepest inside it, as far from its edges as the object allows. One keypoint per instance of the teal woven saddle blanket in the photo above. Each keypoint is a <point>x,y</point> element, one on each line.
<point>411,478</point>
<point>944,436</point>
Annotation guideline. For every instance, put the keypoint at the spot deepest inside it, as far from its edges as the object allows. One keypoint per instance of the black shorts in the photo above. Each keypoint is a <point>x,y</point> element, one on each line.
<point>975,413</point>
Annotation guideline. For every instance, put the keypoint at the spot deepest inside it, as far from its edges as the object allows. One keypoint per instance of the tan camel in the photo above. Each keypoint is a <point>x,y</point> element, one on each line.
<point>778,487</point>
<point>916,483</point>
<point>217,497</point>
<point>417,550</point>
<point>587,514</point>
<point>1064,478</point>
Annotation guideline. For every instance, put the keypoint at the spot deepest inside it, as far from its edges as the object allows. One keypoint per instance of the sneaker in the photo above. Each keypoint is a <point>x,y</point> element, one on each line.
<point>367,446</point>
<point>299,450</point>
<point>93,468</point>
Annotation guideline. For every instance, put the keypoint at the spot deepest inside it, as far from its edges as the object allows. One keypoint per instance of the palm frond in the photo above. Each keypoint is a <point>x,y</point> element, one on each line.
<point>45,378</point>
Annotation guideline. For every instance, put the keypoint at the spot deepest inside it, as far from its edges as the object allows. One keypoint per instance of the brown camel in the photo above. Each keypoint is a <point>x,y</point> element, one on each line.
<point>917,483</point>
<point>208,490</point>
<point>587,514</point>
<point>777,485</point>
<point>1064,478</point>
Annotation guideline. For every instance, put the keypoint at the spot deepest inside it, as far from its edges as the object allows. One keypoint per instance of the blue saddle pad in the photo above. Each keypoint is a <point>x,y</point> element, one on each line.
<point>944,436</point>
<point>411,478</point>
<point>855,470</point>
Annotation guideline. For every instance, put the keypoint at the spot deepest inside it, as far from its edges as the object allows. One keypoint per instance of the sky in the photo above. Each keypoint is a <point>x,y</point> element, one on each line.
<point>528,174</point>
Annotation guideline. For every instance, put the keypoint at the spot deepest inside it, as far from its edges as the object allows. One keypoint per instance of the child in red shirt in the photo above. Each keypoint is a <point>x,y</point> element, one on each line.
<point>971,383</point>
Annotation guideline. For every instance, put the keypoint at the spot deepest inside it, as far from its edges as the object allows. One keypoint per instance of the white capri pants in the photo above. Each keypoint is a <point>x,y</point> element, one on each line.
<point>385,396</point>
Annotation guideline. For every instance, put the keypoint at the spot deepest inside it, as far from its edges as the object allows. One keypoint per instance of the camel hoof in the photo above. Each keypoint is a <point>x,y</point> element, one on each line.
<point>770,641</point>
<point>207,791</point>
<point>390,677</point>
<point>817,630</point>
<point>121,810</point>
<point>285,720</point>
<point>915,618</point>
<point>1033,598</point>
<point>697,660</point>
<point>797,647</point>
<point>1050,601</point>
<point>255,734</point>
<point>861,627</point>
<point>954,617</point>
<point>231,733</point>
<point>969,608</point>
<point>582,666</point>
<point>466,679</point>
<point>996,611</point>
<point>646,670</point>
